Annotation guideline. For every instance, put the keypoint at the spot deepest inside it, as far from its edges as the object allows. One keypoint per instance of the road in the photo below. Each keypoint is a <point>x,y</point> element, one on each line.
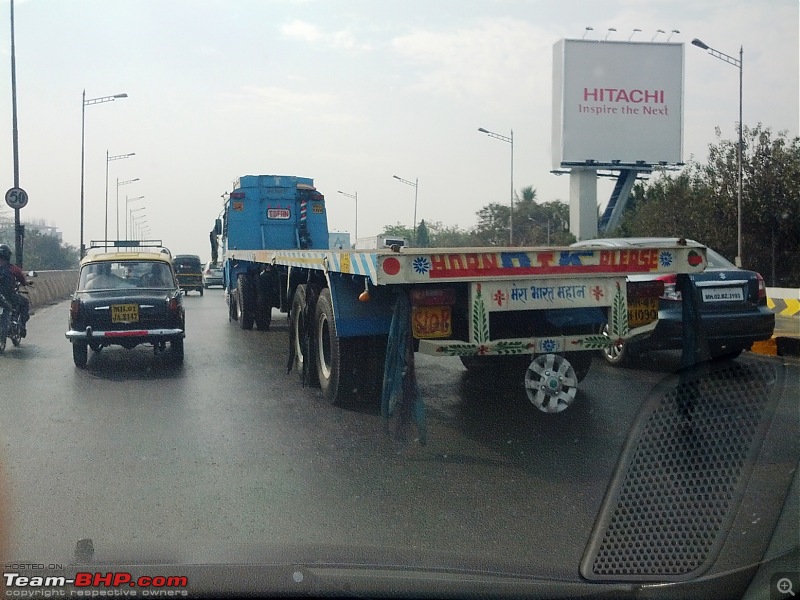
<point>228,455</point>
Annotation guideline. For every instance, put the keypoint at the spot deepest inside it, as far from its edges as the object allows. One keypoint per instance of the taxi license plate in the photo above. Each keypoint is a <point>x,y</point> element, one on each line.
<point>431,322</point>
<point>124,313</point>
<point>642,311</point>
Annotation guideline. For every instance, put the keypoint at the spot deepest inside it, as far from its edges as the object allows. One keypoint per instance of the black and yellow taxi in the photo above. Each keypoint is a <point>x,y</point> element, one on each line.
<point>127,295</point>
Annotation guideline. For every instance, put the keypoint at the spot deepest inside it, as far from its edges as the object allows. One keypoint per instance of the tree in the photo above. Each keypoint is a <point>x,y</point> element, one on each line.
<point>701,201</point>
<point>422,239</point>
<point>42,252</point>
<point>492,228</point>
<point>398,230</point>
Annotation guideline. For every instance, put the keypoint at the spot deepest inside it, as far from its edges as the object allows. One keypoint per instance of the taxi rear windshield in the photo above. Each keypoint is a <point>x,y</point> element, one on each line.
<point>125,274</point>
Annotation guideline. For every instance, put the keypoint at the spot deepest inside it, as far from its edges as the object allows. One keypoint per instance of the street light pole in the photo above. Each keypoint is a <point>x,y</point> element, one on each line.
<point>119,183</point>
<point>738,64</point>
<point>415,185</point>
<point>510,140</point>
<point>355,197</point>
<point>84,104</point>
<point>108,160</point>
<point>129,212</point>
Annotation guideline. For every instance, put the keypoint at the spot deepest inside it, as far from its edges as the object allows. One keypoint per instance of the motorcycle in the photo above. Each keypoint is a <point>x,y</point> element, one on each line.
<point>10,322</point>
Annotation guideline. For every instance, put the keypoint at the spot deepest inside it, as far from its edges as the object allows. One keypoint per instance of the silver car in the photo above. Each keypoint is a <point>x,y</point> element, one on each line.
<point>212,274</point>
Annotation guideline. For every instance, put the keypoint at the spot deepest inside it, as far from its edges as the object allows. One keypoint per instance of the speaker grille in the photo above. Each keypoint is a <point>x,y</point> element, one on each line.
<point>678,479</point>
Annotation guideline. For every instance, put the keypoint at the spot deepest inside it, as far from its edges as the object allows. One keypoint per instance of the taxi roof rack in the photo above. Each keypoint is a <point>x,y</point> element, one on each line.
<point>128,244</point>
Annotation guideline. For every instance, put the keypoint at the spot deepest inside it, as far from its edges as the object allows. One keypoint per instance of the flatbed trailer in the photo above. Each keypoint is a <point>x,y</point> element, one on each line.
<point>538,310</point>
<point>357,316</point>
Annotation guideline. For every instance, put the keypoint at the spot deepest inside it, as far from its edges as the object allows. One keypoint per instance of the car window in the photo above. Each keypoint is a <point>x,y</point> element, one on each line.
<point>127,274</point>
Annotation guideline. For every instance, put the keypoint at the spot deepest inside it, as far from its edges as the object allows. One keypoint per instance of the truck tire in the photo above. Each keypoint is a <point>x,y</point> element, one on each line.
<point>299,323</point>
<point>262,302</point>
<point>233,312</point>
<point>335,356</point>
<point>244,302</point>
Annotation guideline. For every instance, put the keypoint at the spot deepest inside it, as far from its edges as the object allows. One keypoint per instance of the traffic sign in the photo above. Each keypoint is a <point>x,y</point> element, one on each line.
<point>17,198</point>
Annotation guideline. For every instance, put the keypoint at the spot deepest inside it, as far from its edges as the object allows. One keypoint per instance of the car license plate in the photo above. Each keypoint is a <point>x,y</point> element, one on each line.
<point>642,311</point>
<point>124,313</point>
<point>729,294</point>
<point>431,322</point>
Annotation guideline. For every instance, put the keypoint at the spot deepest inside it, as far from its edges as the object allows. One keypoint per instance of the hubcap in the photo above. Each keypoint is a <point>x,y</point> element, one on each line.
<point>551,383</point>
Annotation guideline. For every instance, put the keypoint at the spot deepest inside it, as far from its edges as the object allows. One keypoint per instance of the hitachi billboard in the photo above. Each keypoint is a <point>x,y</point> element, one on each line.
<point>617,103</point>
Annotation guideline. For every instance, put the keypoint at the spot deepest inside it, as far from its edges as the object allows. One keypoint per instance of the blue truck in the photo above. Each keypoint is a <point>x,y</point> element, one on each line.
<point>539,311</point>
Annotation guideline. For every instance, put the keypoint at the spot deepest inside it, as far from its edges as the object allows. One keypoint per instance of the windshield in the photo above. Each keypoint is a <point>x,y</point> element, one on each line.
<point>125,274</point>
<point>308,319</point>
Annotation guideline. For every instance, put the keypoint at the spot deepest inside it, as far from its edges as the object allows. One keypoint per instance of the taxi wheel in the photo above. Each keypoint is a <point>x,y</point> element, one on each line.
<point>176,347</point>
<point>80,354</point>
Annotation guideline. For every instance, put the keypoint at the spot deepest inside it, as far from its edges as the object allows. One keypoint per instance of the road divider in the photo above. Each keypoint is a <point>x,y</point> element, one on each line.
<point>51,286</point>
<point>784,301</point>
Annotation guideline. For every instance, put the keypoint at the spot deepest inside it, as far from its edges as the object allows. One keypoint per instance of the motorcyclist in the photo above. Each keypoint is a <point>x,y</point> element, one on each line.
<point>9,274</point>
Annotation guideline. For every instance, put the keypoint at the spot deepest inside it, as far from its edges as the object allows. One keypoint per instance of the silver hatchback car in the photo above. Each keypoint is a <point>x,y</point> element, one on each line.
<point>212,274</point>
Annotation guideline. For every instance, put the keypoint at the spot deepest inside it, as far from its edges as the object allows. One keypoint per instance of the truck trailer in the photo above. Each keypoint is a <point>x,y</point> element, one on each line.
<point>537,312</point>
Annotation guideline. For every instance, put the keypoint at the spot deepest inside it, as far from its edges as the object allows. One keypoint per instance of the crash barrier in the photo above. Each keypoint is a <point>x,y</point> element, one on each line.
<point>785,302</point>
<point>51,286</point>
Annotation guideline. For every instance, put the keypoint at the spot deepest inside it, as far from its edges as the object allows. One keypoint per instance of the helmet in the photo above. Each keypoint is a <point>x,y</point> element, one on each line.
<point>5,251</point>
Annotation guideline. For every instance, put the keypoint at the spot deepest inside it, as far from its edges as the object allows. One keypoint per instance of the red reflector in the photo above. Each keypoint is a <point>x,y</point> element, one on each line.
<point>433,297</point>
<point>113,334</point>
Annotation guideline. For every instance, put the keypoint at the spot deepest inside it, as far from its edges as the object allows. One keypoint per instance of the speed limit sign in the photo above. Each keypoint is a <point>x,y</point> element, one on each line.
<point>17,198</point>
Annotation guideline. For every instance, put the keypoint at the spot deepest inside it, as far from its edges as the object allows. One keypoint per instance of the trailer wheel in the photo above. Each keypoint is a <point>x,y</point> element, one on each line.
<point>302,344</point>
<point>244,302</point>
<point>335,356</point>
<point>551,383</point>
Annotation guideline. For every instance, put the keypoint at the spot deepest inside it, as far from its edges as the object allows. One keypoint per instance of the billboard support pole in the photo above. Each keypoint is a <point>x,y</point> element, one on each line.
<point>583,203</point>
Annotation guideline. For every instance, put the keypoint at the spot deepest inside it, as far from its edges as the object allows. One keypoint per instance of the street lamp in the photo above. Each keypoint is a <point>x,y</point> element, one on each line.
<point>108,160</point>
<point>354,197</point>
<point>84,104</point>
<point>129,212</point>
<point>738,64</point>
<point>415,185</point>
<point>136,225</point>
<point>119,183</point>
<point>510,140</point>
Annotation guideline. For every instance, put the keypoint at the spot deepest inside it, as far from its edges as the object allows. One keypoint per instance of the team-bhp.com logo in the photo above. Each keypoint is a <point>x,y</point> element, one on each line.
<point>85,584</point>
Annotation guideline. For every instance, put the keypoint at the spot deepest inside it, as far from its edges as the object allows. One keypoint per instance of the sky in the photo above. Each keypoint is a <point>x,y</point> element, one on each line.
<point>347,92</point>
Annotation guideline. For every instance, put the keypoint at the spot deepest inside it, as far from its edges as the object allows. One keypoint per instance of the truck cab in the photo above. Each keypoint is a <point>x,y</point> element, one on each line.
<point>267,212</point>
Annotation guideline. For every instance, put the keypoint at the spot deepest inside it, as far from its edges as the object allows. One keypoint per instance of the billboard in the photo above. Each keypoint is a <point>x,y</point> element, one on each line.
<point>617,103</point>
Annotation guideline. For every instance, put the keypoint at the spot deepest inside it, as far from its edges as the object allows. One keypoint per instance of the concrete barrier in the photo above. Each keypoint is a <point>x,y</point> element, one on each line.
<point>51,286</point>
<point>784,301</point>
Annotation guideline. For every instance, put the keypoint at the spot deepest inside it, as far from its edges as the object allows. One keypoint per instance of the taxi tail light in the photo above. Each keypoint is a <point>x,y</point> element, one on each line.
<point>74,309</point>
<point>433,297</point>
<point>670,283</point>
<point>762,287</point>
<point>173,306</point>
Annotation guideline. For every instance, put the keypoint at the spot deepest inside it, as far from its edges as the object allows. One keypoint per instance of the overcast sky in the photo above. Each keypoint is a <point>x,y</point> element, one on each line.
<point>348,92</point>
